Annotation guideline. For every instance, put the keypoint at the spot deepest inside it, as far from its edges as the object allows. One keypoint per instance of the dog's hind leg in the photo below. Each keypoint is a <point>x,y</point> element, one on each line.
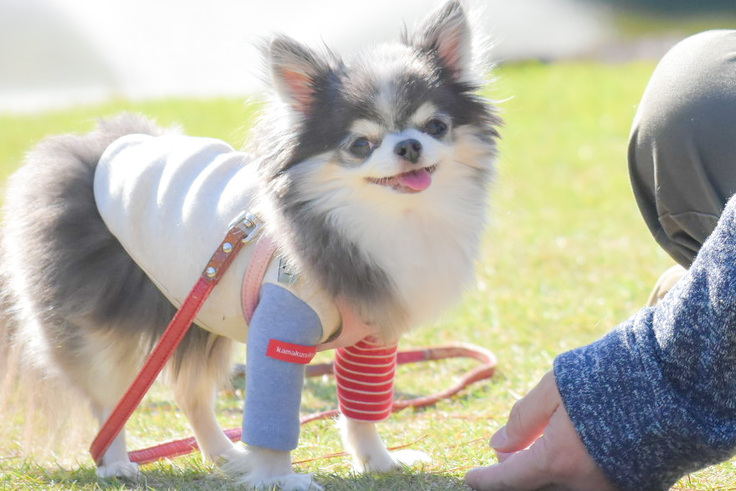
<point>201,366</point>
<point>115,462</point>
<point>115,361</point>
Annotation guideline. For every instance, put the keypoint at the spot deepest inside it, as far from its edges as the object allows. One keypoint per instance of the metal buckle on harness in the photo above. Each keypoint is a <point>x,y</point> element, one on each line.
<point>249,223</point>
<point>286,275</point>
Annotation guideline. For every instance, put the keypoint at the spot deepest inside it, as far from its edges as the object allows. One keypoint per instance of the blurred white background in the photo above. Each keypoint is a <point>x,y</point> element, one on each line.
<point>55,53</point>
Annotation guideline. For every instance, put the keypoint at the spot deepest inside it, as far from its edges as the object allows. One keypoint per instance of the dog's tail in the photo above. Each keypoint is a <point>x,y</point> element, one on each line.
<point>69,158</point>
<point>35,203</point>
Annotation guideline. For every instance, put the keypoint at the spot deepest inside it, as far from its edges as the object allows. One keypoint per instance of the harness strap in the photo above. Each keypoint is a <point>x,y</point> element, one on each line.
<point>259,261</point>
<point>353,328</point>
<point>243,231</point>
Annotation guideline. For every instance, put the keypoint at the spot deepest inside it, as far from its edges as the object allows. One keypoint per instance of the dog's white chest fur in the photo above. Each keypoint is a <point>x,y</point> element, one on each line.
<point>428,268</point>
<point>428,249</point>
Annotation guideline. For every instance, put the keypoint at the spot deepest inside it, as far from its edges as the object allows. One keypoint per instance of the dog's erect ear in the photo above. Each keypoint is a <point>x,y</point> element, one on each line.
<point>296,72</point>
<point>446,33</point>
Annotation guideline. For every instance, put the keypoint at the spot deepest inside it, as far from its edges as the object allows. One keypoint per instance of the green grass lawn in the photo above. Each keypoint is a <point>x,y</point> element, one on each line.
<point>566,259</point>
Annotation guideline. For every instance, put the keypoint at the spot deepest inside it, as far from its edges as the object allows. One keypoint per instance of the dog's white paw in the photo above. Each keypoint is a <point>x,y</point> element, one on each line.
<point>288,482</point>
<point>261,468</point>
<point>381,460</point>
<point>410,458</point>
<point>376,460</point>
<point>361,440</point>
<point>122,469</point>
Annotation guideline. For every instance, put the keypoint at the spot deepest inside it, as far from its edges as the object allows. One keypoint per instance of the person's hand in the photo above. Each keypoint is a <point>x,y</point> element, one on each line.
<point>538,448</point>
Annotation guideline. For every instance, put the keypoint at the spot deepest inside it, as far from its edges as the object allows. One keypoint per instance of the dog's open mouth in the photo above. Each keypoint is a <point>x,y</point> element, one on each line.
<point>414,181</point>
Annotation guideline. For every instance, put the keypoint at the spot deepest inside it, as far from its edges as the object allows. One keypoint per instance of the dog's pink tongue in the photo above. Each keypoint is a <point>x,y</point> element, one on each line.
<point>416,180</point>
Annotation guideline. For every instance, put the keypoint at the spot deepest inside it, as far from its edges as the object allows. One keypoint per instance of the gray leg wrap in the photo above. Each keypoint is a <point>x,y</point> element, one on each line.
<point>273,386</point>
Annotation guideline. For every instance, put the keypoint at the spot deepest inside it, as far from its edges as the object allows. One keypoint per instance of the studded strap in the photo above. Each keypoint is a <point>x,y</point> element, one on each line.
<point>241,232</point>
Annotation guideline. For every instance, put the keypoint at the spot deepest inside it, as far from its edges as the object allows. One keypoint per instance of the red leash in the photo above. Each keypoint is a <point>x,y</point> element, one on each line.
<point>486,370</point>
<point>243,231</point>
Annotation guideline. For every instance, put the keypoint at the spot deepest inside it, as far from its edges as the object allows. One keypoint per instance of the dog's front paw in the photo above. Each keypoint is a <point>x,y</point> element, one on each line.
<point>122,469</point>
<point>377,459</point>
<point>261,468</point>
<point>288,482</point>
<point>381,460</point>
<point>369,453</point>
<point>410,458</point>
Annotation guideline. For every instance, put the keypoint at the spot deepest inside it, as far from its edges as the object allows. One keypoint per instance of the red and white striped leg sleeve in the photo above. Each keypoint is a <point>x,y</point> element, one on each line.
<point>365,380</point>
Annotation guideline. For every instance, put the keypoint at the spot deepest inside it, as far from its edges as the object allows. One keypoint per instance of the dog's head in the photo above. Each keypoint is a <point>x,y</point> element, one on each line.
<point>391,123</point>
<point>374,170</point>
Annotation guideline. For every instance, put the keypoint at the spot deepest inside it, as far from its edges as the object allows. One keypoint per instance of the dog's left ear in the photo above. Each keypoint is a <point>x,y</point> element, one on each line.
<point>446,34</point>
<point>296,72</point>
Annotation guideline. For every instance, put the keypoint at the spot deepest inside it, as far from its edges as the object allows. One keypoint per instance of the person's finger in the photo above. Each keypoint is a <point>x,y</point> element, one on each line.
<point>501,456</point>
<point>518,471</point>
<point>528,418</point>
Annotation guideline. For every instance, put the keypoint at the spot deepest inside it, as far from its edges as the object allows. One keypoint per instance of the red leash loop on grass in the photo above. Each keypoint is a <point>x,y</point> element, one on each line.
<point>244,230</point>
<point>484,371</point>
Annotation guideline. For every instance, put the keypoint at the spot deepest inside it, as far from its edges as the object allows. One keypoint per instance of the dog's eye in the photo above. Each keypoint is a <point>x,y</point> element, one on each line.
<point>361,147</point>
<point>436,128</point>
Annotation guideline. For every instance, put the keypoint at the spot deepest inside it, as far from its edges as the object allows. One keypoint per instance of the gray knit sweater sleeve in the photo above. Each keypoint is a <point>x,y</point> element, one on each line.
<point>656,398</point>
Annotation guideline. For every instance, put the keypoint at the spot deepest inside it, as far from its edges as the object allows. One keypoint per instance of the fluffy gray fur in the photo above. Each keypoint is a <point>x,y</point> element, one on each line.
<point>63,271</point>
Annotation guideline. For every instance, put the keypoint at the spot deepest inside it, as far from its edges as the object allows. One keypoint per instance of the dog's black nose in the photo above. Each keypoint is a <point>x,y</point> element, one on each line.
<point>409,149</point>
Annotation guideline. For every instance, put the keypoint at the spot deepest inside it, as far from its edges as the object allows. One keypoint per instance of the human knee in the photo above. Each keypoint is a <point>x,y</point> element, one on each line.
<point>692,86</point>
